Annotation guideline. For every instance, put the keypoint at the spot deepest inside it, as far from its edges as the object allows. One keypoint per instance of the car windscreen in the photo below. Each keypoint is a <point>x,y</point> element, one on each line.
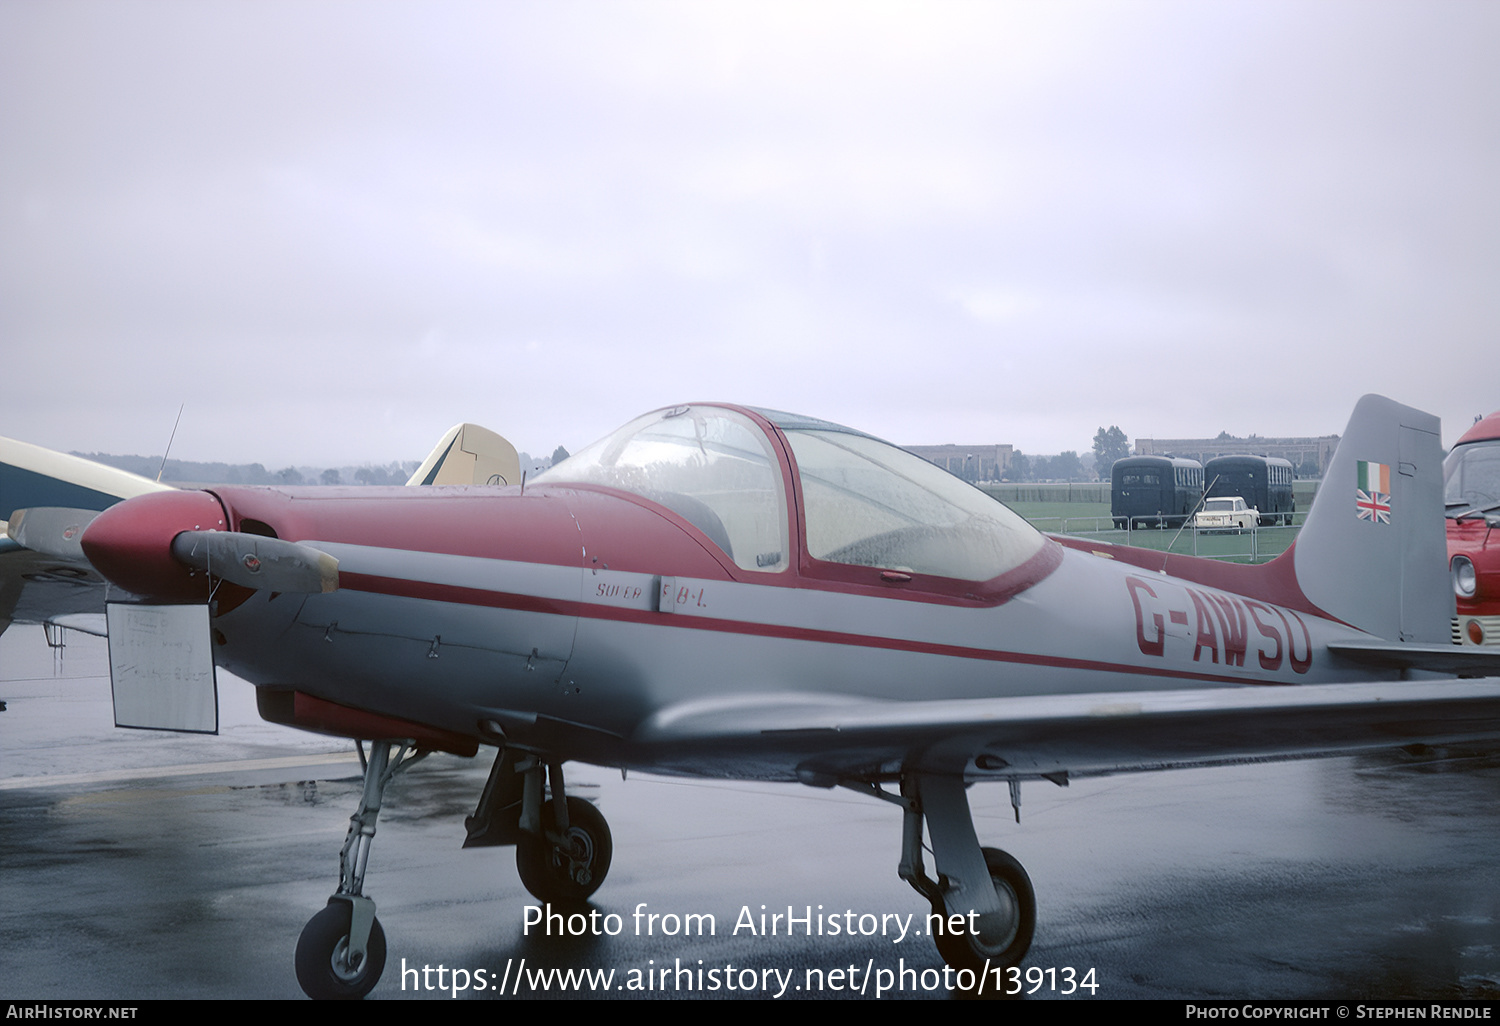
<point>1471,476</point>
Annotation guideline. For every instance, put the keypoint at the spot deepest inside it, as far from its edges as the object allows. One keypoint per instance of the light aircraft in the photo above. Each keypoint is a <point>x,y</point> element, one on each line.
<point>734,592</point>
<point>37,587</point>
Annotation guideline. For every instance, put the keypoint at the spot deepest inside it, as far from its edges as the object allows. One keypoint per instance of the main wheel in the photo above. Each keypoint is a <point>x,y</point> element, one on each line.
<point>1004,937</point>
<point>566,875</point>
<point>323,966</point>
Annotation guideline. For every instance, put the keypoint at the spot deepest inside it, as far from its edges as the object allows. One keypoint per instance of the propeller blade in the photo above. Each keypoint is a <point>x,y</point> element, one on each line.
<point>255,561</point>
<point>51,530</point>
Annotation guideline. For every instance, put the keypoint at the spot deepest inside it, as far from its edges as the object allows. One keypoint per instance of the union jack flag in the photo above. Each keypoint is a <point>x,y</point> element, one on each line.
<point>1373,506</point>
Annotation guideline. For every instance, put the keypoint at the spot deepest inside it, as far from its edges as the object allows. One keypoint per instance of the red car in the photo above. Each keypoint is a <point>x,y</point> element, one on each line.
<point>1471,494</point>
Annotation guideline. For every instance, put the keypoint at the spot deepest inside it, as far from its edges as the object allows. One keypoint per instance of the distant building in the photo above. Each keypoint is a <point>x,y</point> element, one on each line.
<point>1298,451</point>
<point>970,462</point>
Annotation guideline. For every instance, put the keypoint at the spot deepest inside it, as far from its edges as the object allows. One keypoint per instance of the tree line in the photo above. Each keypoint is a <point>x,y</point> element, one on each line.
<point>1110,444</point>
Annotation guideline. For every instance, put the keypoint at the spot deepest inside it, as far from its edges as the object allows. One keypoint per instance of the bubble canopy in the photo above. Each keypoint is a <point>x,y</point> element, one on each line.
<point>865,502</point>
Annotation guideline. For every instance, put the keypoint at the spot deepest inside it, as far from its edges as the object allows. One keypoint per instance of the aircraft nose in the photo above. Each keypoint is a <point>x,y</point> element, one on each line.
<point>130,543</point>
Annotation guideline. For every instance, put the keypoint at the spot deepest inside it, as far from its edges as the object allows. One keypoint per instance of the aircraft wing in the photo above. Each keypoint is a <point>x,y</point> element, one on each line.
<point>41,588</point>
<point>37,588</point>
<point>33,476</point>
<point>58,586</point>
<point>824,742</point>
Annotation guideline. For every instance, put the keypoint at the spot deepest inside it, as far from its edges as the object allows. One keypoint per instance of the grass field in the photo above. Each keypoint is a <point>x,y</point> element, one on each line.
<point>1059,510</point>
<point>1092,520</point>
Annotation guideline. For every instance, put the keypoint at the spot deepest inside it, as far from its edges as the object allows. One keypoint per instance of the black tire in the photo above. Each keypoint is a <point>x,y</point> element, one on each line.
<point>967,951</point>
<point>324,941</point>
<point>549,873</point>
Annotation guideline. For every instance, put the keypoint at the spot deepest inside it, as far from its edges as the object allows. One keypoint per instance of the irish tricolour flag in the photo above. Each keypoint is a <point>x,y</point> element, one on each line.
<point>1372,492</point>
<point>1374,477</point>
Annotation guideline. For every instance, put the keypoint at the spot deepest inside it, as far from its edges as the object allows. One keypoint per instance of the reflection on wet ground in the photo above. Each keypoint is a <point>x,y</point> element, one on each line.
<point>1368,877</point>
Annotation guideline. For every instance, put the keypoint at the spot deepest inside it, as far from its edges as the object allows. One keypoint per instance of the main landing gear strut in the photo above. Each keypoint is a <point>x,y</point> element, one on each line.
<point>982,900</point>
<point>563,845</point>
<point>564,850</point>
<point>341,952</point>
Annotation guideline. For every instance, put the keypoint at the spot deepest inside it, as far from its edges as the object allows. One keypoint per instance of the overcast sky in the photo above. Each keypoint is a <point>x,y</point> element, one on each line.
<point>334,229</point>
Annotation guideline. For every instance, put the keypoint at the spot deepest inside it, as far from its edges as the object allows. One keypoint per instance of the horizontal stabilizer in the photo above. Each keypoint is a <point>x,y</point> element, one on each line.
<point>1465,660</point>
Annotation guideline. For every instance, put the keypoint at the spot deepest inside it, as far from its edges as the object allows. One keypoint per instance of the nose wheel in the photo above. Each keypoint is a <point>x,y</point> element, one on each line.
<point>327,969</point>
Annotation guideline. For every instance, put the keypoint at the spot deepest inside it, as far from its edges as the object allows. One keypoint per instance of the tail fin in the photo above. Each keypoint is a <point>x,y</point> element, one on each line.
<point>1373,552</point>
<point>468,454</point>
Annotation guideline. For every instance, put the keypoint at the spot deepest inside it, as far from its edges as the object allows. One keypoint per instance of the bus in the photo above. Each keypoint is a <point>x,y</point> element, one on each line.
<point>1154,491</point>
<point>1264,482</point>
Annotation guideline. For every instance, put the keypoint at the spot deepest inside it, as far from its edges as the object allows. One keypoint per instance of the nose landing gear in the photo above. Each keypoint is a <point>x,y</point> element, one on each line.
<point>341,952</point>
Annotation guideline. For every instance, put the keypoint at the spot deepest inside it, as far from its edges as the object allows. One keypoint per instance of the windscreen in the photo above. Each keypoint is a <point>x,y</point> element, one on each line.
<point>713,467</point>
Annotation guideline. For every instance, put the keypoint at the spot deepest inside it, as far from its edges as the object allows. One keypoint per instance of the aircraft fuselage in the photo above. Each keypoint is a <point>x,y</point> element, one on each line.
<point>458,607</point>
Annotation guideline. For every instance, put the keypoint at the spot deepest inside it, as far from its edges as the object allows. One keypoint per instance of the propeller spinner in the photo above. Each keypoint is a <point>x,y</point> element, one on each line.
<point>152,544</point>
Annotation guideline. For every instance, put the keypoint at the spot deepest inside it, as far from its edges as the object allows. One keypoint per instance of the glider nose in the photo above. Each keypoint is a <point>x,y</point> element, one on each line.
<point>130,543</point>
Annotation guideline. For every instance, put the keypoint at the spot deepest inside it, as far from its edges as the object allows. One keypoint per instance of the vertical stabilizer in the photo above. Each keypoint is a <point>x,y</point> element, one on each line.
<point>468,454</point>
<point>1373,551</point>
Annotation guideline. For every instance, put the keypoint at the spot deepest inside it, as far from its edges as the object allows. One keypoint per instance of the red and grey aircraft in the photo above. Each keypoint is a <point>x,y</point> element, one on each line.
<point>732,592</point>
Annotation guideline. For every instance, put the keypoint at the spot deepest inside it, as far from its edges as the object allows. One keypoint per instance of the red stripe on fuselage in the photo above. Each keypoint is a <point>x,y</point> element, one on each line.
<point>1274,582</point>
<point>566,607</point>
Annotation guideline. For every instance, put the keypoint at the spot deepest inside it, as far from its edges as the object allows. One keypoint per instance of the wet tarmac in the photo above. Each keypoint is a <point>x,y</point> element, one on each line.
<point>139,865</point>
